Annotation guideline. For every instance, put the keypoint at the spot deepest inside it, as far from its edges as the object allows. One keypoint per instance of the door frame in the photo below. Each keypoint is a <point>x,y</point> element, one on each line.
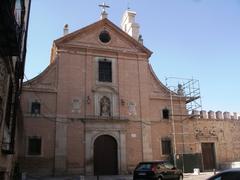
<point>119,136</point>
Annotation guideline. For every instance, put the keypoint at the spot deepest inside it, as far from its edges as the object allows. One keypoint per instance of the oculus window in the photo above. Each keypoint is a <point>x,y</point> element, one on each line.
<point>104,36</point>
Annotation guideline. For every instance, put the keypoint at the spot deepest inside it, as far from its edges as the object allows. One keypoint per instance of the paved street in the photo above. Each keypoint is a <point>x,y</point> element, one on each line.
<point>187,176</point>
<point>201,176</point>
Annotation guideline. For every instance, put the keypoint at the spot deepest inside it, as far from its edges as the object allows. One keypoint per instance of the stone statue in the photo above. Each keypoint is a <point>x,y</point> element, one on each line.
<point>105,106</point>
<point>180,90</point>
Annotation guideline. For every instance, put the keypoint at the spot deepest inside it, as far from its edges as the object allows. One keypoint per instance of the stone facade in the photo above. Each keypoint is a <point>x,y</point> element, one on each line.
<point>71,106</point>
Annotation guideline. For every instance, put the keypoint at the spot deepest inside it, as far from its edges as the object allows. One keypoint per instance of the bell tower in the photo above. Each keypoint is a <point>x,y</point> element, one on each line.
<point>129,25</point>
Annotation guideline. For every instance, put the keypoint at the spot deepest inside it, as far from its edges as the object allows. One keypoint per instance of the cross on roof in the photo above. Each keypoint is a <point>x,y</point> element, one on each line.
<point>103,6</point>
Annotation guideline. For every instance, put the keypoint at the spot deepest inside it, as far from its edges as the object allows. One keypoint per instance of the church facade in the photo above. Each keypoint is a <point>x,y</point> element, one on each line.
<point>98,109</point>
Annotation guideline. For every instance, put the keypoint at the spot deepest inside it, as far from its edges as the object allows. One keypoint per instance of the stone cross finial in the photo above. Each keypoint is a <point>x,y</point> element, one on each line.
<point>103,6</point>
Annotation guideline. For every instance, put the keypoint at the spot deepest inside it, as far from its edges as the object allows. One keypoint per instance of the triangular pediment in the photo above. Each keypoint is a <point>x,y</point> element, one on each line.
<point>89,37</point>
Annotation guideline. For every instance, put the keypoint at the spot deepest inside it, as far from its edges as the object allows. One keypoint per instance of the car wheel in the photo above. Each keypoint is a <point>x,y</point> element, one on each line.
<point>180,177</point>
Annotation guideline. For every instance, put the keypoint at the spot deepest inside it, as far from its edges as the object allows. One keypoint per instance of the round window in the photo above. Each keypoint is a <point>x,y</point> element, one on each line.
<point>104,36</point>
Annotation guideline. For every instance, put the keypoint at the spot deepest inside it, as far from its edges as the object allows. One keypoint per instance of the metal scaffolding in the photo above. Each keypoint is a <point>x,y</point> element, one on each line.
<point>188,89</point>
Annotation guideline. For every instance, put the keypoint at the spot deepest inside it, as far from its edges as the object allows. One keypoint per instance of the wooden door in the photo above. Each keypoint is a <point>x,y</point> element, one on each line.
<point>105,156</point>
<point>208,153</point>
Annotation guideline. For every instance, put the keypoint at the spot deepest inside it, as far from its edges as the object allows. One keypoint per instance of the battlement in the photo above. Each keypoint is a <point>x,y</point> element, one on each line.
<point>219,115</point>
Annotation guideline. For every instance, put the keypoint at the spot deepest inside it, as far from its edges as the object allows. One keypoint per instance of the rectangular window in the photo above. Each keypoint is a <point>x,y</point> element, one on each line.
<point>165,113</point>
<point>105,71</point>
<point>35,108</point>
<point>34,146</point>
<point>166,147</point>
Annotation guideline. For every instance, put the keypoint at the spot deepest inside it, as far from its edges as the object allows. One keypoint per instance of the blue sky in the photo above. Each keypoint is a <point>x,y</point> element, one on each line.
<point>197,39</point>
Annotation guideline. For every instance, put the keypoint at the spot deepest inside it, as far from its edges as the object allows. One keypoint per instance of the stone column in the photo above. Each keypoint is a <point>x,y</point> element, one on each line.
<point>60,146</point>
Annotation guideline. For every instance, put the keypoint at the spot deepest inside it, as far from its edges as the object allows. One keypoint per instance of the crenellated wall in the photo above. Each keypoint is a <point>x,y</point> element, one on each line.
<point>218,115</point>
<point>219,128</point>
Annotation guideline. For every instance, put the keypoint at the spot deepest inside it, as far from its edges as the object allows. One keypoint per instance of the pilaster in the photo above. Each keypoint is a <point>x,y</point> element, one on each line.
<point>60,146</point>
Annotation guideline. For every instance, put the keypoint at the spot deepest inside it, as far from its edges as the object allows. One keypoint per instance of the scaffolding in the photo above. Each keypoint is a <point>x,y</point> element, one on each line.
<point>188,89</point>
<point>188,92</point>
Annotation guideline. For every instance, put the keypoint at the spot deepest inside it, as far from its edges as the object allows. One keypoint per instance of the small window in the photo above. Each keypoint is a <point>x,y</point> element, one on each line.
<point>166,147</point>
<point>35,108</point>
<point>165,113</point>
<point>105,71</point>
<point>34,146</point>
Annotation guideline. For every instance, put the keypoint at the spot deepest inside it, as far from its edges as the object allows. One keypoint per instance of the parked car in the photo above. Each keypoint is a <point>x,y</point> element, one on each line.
<point>156,170</point>
<point>229,174</point>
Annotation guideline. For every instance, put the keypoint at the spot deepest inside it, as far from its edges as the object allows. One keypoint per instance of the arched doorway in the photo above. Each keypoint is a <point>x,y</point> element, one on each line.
<point>105,156</point>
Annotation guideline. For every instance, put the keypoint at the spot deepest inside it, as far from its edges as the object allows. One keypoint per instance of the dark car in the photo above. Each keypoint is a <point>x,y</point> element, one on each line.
<point>229,174</point>
<point>157,170</point>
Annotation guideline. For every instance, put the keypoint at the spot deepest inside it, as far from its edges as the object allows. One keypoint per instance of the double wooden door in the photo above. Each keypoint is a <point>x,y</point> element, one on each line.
<point>208,154</point>
<point>105,156</point>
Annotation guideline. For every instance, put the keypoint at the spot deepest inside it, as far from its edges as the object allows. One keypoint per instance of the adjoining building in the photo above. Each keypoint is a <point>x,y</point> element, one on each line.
<point>98,109</point>
<point>14,16</point>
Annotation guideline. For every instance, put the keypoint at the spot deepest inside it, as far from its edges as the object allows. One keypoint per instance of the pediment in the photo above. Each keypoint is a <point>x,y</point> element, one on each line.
<point>89,37</point>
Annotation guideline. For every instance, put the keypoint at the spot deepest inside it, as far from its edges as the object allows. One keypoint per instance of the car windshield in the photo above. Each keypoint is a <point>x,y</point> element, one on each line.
<point>145,166</point>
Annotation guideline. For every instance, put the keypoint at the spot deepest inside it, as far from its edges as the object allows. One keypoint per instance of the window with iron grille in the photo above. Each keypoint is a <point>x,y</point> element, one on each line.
<point>166,147</point>
<point>105,71</point>
<point>35,108</point>
<point>34,146</point>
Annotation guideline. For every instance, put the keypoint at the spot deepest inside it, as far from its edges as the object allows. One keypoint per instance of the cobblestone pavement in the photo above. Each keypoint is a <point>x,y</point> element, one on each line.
<point>187,176</point>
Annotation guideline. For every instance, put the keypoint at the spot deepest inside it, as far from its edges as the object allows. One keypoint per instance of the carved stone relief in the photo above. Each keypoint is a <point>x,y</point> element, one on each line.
<point>132,109</point>
<point>76,105</point>
<point>205,132</point>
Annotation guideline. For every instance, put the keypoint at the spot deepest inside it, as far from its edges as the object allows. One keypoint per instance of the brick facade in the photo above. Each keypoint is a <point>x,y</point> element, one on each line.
<point>69,92</point>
